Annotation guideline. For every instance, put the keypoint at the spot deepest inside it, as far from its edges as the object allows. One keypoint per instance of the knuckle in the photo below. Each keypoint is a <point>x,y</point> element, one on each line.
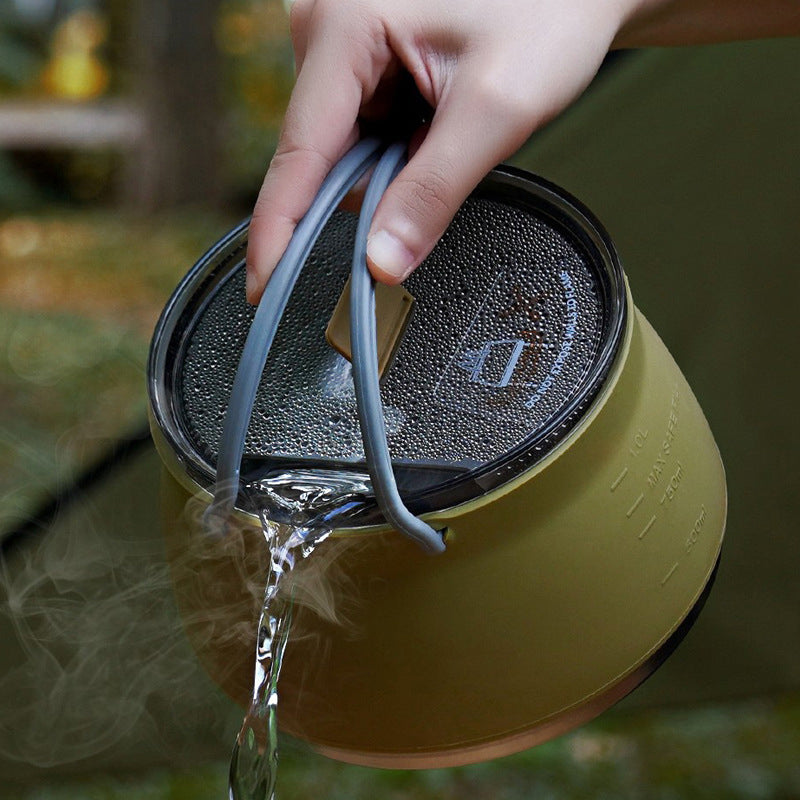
<point>261,210</point>
<point>425,196</point>
<point>506,99</point>
<point>299,157</point>
<point>357,21</point>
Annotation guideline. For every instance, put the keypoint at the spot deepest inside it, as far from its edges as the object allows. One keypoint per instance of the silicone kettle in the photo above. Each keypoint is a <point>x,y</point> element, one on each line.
<point>536,424</point>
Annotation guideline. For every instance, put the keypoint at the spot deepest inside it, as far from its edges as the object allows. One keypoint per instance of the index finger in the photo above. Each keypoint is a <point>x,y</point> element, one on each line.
<point>319,127</point>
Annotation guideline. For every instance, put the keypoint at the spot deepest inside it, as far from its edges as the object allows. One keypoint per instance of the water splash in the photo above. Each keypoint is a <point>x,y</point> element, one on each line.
<point>314,503</point>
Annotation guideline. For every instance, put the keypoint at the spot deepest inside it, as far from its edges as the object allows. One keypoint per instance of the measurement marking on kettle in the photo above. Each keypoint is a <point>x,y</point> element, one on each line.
<point>639,440</point>
<point>636,505</point>
<point>669,574</point>
<point>694,534</point>
<point>647,527</point>
<point>670,435</point>
<point>618,480</point>
<point>672,486</point>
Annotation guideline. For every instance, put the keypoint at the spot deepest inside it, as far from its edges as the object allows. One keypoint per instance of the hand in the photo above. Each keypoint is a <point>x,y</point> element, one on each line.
<point>492,71</point>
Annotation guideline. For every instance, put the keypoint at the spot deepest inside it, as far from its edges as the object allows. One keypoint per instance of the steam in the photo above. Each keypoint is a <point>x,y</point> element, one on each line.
<point>115,640</point>
<point>318,502</point>
<point>94,656</point>
<point>219,580</point>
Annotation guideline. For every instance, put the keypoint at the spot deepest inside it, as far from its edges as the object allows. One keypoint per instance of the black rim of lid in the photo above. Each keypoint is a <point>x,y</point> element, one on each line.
<point>504,184</point>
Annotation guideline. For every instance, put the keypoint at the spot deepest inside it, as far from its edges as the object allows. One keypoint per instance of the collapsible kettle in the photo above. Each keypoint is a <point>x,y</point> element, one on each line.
<point>535,421</point>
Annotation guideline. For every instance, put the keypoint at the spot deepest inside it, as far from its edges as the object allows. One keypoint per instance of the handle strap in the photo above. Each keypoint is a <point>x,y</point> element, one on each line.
<point>363,341</point>
<point>363,335</point>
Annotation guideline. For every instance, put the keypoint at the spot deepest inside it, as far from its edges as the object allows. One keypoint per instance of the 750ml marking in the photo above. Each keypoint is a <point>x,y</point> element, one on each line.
<point>635,505</point>
<point>672,486</point>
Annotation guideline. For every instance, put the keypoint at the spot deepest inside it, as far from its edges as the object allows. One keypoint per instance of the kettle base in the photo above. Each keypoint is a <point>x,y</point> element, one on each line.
<point>542,732</point>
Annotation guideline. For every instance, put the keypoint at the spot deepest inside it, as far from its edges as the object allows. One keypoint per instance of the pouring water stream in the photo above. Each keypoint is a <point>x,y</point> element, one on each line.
<point>313,505</point>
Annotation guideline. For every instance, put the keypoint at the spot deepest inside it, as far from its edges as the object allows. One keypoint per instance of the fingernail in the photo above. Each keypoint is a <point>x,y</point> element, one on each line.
<point>389,254</point>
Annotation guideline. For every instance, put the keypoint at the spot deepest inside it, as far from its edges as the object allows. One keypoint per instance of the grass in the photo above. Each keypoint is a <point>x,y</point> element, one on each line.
<point>79,296</point>
<point>745,750</point>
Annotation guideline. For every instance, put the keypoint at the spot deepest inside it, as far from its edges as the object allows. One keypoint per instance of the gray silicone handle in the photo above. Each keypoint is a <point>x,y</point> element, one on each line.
<point>262,331</point>
<point>365,364</point>
<point>363,341</point>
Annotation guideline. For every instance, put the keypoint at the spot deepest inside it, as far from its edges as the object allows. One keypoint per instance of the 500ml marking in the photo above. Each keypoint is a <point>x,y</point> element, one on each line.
<point>691,539</point>
<point>694,533</point>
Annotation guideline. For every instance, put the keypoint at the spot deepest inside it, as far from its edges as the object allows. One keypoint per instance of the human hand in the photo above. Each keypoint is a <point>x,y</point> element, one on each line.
<point>493,72</point>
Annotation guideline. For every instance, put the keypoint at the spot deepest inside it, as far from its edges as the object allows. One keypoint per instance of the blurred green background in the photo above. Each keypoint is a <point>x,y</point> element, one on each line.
<point>132,135</point>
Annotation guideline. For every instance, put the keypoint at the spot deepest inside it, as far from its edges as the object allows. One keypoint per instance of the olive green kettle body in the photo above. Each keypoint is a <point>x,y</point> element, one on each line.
<point>581,488</point>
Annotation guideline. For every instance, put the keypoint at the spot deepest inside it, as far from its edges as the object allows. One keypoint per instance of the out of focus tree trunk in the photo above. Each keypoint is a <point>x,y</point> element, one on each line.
<point>175,79</point>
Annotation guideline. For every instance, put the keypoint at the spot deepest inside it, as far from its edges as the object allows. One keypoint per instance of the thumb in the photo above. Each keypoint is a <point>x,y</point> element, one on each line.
<point>473,130</point>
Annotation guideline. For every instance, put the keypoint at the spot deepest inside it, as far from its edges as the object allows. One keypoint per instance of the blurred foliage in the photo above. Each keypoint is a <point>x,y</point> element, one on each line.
<point>54,49</point>
<point>77,307</point>
<point>34,180</point>
<point>253,37</point>
<point>79,50</point>
<point>16,191</point>
<point>743,750</point>
<point>23,44</point>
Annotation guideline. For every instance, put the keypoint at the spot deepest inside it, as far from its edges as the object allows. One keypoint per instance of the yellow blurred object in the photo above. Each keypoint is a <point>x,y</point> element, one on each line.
<point>74,70</point>
<point>76,75</point>
<point>83,30</point>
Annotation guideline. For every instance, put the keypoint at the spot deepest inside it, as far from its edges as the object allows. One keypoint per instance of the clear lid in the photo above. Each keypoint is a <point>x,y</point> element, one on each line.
<point>519,312</point>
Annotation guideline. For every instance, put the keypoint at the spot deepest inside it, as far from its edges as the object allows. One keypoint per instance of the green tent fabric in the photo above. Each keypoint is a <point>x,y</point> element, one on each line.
<point>690,159</point>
